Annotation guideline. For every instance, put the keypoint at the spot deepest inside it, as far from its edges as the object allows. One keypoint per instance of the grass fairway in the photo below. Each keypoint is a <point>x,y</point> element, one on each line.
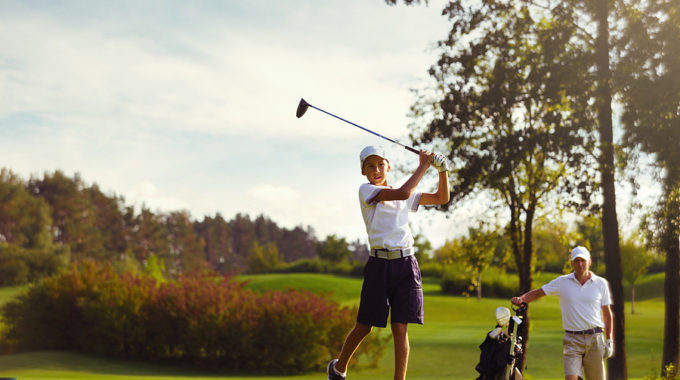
<point>446,347</point>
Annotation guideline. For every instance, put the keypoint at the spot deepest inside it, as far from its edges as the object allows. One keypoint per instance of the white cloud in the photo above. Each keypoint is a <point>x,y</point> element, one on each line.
<point>191,106</point>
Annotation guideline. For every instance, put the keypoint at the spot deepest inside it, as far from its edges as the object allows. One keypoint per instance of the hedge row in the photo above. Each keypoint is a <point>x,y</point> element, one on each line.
<point>198,319</point>
<point>494,283</point>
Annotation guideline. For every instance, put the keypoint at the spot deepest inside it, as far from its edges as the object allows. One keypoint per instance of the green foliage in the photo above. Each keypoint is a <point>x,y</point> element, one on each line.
<point>24,219</point>
<point>494,283</point>
<point>669,373</point>
<point>263,258</point>
<point>333,249</point>
<point>198,319</point>
<point>635,261</point>
<point>20,265</point>
<point>154,268</point>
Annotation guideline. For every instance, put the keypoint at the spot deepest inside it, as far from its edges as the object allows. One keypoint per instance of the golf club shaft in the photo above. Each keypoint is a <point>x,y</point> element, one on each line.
<point>367,130</point>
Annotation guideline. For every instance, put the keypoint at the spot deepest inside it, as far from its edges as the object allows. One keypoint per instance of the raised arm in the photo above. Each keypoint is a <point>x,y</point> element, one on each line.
<point>405,191</point>
<point>443,194</point>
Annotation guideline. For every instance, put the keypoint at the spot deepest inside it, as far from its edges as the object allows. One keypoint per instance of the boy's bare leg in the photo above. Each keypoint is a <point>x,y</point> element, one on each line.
<point>352,341</point>
<point>401,349</point>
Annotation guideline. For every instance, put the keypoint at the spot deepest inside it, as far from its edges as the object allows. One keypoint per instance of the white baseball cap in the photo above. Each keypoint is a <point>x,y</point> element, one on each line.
<point>581,252</point>
<point>371,151</point>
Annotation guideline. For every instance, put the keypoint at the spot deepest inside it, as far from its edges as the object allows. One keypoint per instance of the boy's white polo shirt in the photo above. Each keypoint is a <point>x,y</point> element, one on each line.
<point>387,221</point>
<point>581,305</point>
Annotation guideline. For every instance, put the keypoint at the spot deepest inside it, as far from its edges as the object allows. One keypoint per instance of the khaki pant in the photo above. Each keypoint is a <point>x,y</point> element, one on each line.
<point>584,353</point>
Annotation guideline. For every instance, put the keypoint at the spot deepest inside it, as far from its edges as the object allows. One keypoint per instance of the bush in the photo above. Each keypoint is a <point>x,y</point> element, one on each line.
<point>198,319</point>
<point>20,265</point>
<point>13,272</point>
<point>495,283</point>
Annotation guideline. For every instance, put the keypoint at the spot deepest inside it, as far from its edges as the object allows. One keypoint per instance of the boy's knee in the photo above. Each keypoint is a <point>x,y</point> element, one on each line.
<point>362,328</point>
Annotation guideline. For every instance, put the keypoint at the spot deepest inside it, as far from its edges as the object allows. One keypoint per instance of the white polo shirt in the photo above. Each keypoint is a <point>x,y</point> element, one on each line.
<point>581,305</point>
<point>387,221</point>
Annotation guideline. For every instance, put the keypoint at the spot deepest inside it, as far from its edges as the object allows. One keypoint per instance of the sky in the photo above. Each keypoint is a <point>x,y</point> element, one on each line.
<point>181,105</point>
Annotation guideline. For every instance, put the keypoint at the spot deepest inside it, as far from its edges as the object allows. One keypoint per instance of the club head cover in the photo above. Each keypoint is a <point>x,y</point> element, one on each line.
<point>502,315</point>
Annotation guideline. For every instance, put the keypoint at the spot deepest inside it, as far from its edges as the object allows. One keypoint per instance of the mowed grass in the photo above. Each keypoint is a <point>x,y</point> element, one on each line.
<point>446,347</point>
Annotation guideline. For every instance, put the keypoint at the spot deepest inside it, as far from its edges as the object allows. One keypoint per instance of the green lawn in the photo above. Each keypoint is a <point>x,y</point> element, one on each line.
<point>446,347</point>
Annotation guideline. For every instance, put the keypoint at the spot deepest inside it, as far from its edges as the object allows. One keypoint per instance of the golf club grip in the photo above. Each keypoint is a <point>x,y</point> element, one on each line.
<point>416,151</point>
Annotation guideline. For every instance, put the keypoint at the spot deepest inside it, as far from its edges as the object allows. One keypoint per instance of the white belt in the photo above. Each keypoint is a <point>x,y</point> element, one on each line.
<point>391,254</point>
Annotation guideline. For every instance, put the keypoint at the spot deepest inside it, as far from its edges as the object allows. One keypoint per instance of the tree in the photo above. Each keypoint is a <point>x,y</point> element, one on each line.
<point>552,242</point>
<point>589,229</point>
<point>600,10</point>
<point>146,235</point>
<point>649,81</point>
<point>24,220</point>
<point>636,261</point>
<point>186,247</point>
<point>263,258</point>
<point>333,249</point>
<point>423,248</point>
<point>215,234</point>
<point>512,106</point>
<point>74,220</point>
<point>109,222</point>
<point>478,251</point>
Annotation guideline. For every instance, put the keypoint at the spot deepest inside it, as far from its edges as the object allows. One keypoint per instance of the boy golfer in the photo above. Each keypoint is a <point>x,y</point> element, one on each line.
<point>391,275</point>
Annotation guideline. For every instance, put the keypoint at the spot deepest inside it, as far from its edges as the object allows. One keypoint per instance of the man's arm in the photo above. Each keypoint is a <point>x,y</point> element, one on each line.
<point>608,318</point>
<point>529,296</point>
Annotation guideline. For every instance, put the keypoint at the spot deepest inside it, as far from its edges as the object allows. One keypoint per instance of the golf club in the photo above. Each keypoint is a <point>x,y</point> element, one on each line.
<point>302,108</point>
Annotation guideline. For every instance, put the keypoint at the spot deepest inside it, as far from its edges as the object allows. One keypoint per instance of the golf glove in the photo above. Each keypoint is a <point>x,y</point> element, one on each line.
<point>608,349</point>
<point>440,162</point>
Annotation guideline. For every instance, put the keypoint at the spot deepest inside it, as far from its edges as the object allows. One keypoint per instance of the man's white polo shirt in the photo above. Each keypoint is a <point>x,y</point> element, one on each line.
<point>581,305</point>
<point>387,222</point>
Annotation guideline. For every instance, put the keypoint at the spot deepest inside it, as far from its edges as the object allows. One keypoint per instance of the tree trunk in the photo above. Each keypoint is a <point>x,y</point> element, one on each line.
<point>671,245</point>
<point>610,227</point>
<point>632,299</point>
<point>479,286</point>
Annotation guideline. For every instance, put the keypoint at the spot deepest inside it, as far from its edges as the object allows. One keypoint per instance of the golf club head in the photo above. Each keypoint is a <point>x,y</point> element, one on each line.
<point>502,315</point>
<point>301,108</point>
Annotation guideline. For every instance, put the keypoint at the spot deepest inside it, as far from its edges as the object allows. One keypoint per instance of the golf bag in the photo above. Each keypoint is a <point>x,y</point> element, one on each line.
<point>501,351</point>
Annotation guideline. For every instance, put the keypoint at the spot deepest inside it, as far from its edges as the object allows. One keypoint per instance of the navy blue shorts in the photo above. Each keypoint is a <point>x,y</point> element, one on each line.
<point>391,285</point>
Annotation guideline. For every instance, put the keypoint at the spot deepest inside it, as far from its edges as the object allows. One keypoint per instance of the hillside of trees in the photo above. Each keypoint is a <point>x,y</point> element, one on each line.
<point>48,222</point>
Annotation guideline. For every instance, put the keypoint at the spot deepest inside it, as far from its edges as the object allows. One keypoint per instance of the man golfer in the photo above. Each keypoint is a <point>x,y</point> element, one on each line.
<point>391,276</point>
<point>586,317</point>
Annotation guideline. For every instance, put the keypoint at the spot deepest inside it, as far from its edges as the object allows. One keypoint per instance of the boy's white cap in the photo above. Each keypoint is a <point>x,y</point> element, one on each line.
<point>371,151</point>
<point>581,252</point>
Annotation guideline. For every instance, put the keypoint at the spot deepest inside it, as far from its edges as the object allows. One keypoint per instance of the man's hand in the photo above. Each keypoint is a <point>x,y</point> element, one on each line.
<point>440,162</point>
<point>608,349</point>
<point>516,300</point>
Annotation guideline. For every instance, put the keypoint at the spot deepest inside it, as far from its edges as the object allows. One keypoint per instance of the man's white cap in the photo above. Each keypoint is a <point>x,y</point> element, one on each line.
<point>371,151</point>
<point>581,252</point>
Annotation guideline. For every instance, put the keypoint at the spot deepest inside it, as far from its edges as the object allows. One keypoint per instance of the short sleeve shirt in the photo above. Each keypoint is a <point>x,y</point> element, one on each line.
<point>581,305</point>
<point>387,221</point>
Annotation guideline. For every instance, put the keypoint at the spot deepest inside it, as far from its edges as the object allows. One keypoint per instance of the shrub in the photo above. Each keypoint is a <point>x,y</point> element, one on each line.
<point>19,265</point>
<point>495,283</point>
<point>13,272</point>
<point>197,318</point>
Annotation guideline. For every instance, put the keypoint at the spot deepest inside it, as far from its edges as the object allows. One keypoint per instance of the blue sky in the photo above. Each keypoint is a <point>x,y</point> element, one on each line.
<point>190,105</point>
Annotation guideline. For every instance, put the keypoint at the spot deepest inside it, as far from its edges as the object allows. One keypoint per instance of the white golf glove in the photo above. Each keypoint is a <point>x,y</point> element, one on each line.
<point>608,349</point>
<point>440,162</point>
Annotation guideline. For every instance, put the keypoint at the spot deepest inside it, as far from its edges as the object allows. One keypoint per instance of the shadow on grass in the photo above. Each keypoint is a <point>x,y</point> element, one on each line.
<point>72,361</point>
